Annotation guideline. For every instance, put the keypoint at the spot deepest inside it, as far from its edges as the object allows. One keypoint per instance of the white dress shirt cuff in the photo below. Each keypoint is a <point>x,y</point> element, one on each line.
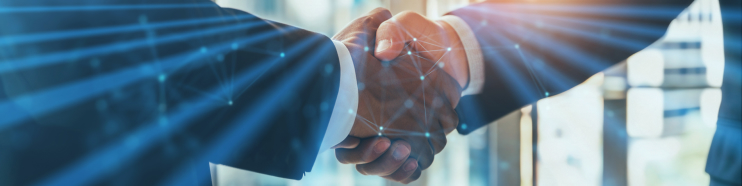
<point>473,54</point>
<point>344,111</point>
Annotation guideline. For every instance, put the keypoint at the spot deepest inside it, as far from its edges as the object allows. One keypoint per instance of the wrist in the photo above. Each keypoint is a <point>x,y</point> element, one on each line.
<point>455,62</point>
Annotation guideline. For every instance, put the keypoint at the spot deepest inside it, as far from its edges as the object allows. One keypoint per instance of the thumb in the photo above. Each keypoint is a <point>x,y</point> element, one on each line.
<point>394,33</point>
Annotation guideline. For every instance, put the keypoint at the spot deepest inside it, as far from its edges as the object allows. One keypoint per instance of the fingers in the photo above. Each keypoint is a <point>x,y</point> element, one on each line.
<point>380,15</point>
<point>437,139</point>
<point>415,175</point>
<point>389,162</point>
<point>408,168</point>
<point>348,143</point>
<point>367,151</point>
<point>446,114</point>
<point>402,28</point>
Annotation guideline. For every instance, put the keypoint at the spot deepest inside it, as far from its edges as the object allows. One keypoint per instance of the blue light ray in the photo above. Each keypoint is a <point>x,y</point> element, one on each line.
<point>580,60</point>
<point>644,11</point>
<point>220,150</point>
<point>35,9</point>
<point>507,70</point>
<point>57,35</point>
<point>639,29</point>
<point>23,107</point>
<point>57,57</point>
<point>97,164</point>
<point>624,42</point>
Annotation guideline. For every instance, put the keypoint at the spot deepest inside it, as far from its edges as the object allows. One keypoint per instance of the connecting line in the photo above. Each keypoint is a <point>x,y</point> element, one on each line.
<point>430,143</point>
<point>405,30</point>
<point>209,61</point>
<point>231,76</point>
<point>231,84</point>
<point>203,93</point>
<point>531,72</point>
<point>414,62</point>
<point>381,109</point>
<point>368,106</point>
<point>430,43</point>
<point>366,121</point>
<point>219,80</point>
<point>425,107</point>
<point>426,50</point>
<point>495,48</point>
<point>397,132</point>
<point>306,42</point>
<point>425,36</point>
<point>436,63</point>
<point>150,33</point>
<point>399,113</point>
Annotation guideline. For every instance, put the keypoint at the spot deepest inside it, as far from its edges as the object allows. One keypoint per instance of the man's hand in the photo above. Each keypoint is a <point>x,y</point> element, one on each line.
<point>410,32</point>
<point>409,100</point>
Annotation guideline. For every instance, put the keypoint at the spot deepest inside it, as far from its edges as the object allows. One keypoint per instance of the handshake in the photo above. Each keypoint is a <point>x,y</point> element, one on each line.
<point>410,72</point>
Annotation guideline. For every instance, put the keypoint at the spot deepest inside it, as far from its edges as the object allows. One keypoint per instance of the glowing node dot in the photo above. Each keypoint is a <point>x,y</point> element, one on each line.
<point>427,134</point>
<point>422,77</point>
<point>463,126</point>
<point>230,102</point>
<point>203,49</point>
<point>162,77</point>
<point>283,55</point>
<point>547,93</point>
<point>350,111</point>
<point>517,46</point>
<point>408,103</point>
<point>365,49</point>
<point>440,65</point>
<point>381,128</point>
<point>409,53</point>
<point>235,46</point>
<point>323,106</point>
<point>329,68</point>
<point>449,49</point>
<point>379,133</point>
<point>414,39</point>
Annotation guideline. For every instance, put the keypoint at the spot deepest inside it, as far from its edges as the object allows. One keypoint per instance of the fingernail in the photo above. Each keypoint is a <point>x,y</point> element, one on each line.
<point>383,45</point>
<point>400,152</point>
<point>381,146</point>
<point>412,165</point>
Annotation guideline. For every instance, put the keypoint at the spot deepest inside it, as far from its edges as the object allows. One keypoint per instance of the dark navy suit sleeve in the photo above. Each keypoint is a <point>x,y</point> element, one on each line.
<point>532,51</point>
<point>149,92</point>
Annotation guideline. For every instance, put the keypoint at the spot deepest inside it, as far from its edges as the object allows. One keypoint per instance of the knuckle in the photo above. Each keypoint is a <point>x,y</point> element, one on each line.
<point>382,11</point>
<point>364,159</point>
<point>425,161</point>
<point>409,14</point>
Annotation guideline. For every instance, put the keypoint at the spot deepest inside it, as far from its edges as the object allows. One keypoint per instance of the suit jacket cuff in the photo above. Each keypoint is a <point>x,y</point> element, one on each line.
<point>344,111</point>
<point>473,54</point>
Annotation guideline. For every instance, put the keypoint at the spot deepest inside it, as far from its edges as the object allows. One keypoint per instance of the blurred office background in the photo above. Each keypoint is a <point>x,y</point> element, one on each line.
<point>647,121</point>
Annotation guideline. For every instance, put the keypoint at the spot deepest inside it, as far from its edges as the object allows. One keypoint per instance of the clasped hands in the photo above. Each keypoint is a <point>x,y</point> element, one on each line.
<point>410,73</point>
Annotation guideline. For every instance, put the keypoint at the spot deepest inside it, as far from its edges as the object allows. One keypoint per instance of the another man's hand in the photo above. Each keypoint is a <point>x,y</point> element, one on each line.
<point>410,100</point>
